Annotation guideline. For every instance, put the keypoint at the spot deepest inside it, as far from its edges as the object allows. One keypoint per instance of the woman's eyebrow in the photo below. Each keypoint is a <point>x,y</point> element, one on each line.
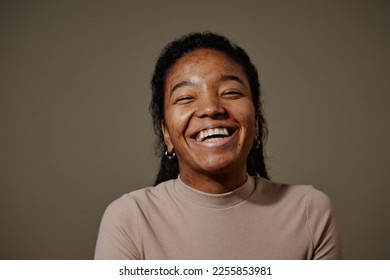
<point>182,84</point>
<point>231,78</point>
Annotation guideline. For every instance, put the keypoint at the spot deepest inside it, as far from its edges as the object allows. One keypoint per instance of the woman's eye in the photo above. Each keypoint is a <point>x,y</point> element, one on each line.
<point>184,99</point>
<point>232,94</point>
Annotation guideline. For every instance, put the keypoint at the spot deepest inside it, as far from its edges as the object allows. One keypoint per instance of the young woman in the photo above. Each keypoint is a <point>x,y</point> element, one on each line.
<point>212,198</point>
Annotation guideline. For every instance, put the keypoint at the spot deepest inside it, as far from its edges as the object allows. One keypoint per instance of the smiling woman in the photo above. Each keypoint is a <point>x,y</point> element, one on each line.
<point>209,120</point>
<point>212,197</point>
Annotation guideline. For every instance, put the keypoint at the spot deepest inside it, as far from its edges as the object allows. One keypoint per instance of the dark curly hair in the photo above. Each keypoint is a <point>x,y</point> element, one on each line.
<point>169,169</point>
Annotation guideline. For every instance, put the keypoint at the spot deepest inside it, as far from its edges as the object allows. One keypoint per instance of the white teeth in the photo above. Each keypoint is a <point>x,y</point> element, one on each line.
<point>211,132</point>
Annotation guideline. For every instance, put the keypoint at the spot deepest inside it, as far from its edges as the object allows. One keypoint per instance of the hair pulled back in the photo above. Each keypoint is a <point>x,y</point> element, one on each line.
<point>169,168</point>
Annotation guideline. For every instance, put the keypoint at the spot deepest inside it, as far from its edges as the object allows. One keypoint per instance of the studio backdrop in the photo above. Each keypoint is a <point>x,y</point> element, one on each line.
<point>75,131</point>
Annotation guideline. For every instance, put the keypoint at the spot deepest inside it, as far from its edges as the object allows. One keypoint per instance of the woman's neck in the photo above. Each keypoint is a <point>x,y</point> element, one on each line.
<point>214,183</point>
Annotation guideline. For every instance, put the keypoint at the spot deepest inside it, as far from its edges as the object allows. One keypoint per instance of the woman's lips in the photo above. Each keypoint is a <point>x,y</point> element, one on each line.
<point>214,137</point>
<point>212,134</point>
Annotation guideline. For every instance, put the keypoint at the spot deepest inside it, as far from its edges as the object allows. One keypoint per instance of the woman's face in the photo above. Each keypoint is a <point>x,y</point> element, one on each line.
<point>209,117</point>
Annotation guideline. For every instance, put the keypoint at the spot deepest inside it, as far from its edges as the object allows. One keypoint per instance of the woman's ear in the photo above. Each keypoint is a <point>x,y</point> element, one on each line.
<point>167,137</point>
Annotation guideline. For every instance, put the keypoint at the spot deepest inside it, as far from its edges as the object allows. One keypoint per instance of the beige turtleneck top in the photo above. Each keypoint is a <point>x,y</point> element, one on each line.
<point>259,220</point>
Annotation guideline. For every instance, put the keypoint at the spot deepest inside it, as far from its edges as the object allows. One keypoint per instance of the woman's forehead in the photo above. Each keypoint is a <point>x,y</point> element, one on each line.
<point>205,62</point>
<point>203,55</point>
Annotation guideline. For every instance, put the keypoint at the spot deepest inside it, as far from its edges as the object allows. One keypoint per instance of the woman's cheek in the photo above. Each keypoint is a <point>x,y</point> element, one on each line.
<point>179,119</point>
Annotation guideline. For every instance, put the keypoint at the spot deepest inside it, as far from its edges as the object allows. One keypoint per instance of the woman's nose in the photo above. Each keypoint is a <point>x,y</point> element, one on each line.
<point>210,105</point>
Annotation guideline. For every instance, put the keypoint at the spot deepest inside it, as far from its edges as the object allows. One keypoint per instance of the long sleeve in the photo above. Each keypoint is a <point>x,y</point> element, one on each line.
<point>322,226</point>
<point>119,232</point>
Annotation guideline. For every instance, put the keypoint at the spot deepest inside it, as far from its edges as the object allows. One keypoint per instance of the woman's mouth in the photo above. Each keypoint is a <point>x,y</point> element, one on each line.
<point>212,133</point>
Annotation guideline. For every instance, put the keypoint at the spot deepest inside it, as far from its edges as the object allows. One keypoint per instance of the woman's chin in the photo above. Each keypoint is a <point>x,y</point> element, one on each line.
<point>218,166</point>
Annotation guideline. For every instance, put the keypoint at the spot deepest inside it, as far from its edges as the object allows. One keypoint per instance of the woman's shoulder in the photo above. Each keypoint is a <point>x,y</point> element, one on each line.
<point>312,204</point>
<point>144,195</point>
<point>119,236</point>
<point>308,193</point>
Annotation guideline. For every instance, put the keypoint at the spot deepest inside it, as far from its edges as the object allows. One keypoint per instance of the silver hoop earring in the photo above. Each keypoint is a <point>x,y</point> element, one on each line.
<point>170,156</point>
<point>258,145</point>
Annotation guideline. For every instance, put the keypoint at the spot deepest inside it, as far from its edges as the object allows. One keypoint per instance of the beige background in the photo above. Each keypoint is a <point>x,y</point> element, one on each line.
<point>76,132</point>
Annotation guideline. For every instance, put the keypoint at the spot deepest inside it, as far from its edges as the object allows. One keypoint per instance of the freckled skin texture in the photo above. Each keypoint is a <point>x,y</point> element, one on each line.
<point>206,89</point>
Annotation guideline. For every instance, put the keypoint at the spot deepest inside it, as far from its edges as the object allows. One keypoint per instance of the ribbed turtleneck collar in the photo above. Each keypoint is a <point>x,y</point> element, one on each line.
<point>224,200</point>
